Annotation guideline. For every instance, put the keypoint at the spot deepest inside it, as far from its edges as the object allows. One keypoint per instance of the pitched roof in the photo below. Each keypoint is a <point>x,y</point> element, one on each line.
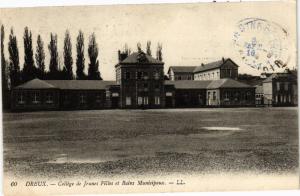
<point>182,69</point>
<point>209,66</point>
<point>66,84</point>
<point>227,83</point>
<point>35,84</point>
<point>189,84</point>
<point>80,84</point>
<point>140,57</point>
<point>207,84</point>
<point>212,65</point>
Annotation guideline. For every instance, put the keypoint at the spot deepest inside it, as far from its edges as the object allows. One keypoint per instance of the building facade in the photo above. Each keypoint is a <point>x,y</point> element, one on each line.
<point>181,72</point>
<point>141,80</point>
<point>140,83</point>
<point>280,89</point>
<point>225,68</point>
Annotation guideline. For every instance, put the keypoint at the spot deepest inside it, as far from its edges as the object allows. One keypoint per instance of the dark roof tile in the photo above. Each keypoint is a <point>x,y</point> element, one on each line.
<point>134,58</point>
<point>35,84</point>
<point>227,83</point>
<point>189,84</point>
<point>80,84</point>
<point>183,69</point>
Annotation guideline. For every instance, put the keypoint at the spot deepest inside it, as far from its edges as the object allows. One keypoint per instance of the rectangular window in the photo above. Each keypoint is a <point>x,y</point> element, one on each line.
<point>127,75</point>
<point>82,98</point>
<point>140,100</point>
<point>98,98</point>
<point>214,95</point>
<point>278,86</point>
<point>128,100</point>
<point>35,97</point>
<point>286,86</point>
<point>115,94</point>
<point>146,102</point>
<point>157,100</point>
<point>145,75</point>
<point>156,75</point>
<point>49,98</point>
<point>21,98</point>
<point>139,75</point>
<point>169,94</point>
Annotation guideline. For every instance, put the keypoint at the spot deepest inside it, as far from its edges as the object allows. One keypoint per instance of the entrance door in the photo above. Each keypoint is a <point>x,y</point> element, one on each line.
<point>169,101</point>
<point>115,102</point>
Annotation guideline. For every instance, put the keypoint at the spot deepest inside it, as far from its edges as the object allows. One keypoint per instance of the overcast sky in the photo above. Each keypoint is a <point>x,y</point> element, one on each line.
<point>191,34</point>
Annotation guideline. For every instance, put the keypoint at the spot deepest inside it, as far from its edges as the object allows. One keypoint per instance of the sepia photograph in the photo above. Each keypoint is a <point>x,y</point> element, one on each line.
<point>145,98</point>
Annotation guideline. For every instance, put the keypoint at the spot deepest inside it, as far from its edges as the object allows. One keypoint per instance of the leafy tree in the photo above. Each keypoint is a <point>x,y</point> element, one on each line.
<point>53,67</point>
<point>40,58</point>
<point>159,52</point>
<point>80,57</point>
<point>29,70</point>
<point>93,70</point>
<point>14,67</point>
<point>148,49</point>
<point>68,60</point>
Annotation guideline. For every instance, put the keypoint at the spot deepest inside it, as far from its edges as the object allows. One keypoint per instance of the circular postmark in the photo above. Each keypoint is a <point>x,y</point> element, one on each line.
<point>262,44</point>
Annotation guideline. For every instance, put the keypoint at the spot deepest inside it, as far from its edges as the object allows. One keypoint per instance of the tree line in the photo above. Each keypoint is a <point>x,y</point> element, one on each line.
<point>35,65</point>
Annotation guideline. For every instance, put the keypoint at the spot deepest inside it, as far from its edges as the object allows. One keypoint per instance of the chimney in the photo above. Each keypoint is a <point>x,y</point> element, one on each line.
<point>119,55</point>
<point>202,64</point>
<point>223,59</point>
<point>122,55</point>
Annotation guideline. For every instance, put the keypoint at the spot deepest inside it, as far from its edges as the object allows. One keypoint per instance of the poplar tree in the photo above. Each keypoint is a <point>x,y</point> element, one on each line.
<point>68,60</point>
<point>93,70</point>
<point>53,66</point>
<point>159,52</point>
<point>80,57</point>
<point>3,64</point>
<point>40,58</point>
<point>14,66</point>
<point>148,48</point>
<point>29,70</point>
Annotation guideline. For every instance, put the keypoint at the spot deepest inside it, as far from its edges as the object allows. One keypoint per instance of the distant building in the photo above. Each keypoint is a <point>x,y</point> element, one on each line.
<point>217,70</point>
<point>214,93</point>
<point>280,89</point>
<point>259,95</point>
<point>139,84</point>
<point>141,80</point>
<point>224,68</point>
<point>181,72</point>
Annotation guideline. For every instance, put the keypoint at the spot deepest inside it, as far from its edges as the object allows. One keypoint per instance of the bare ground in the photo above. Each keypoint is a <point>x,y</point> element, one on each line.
<point>116,142</point>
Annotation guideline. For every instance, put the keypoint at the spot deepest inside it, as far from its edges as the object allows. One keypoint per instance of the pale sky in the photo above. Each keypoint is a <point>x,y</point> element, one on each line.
<point>191,34</point>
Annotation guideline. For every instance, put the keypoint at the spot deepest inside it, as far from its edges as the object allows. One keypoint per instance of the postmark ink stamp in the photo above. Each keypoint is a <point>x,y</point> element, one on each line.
<point>262,44</point>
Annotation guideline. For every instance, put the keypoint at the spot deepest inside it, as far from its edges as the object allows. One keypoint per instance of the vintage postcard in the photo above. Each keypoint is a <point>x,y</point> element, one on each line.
<point>150,98</point>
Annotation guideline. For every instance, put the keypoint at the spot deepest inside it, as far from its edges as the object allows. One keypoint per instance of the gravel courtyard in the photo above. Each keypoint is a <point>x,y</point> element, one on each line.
<point>115,142</point>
